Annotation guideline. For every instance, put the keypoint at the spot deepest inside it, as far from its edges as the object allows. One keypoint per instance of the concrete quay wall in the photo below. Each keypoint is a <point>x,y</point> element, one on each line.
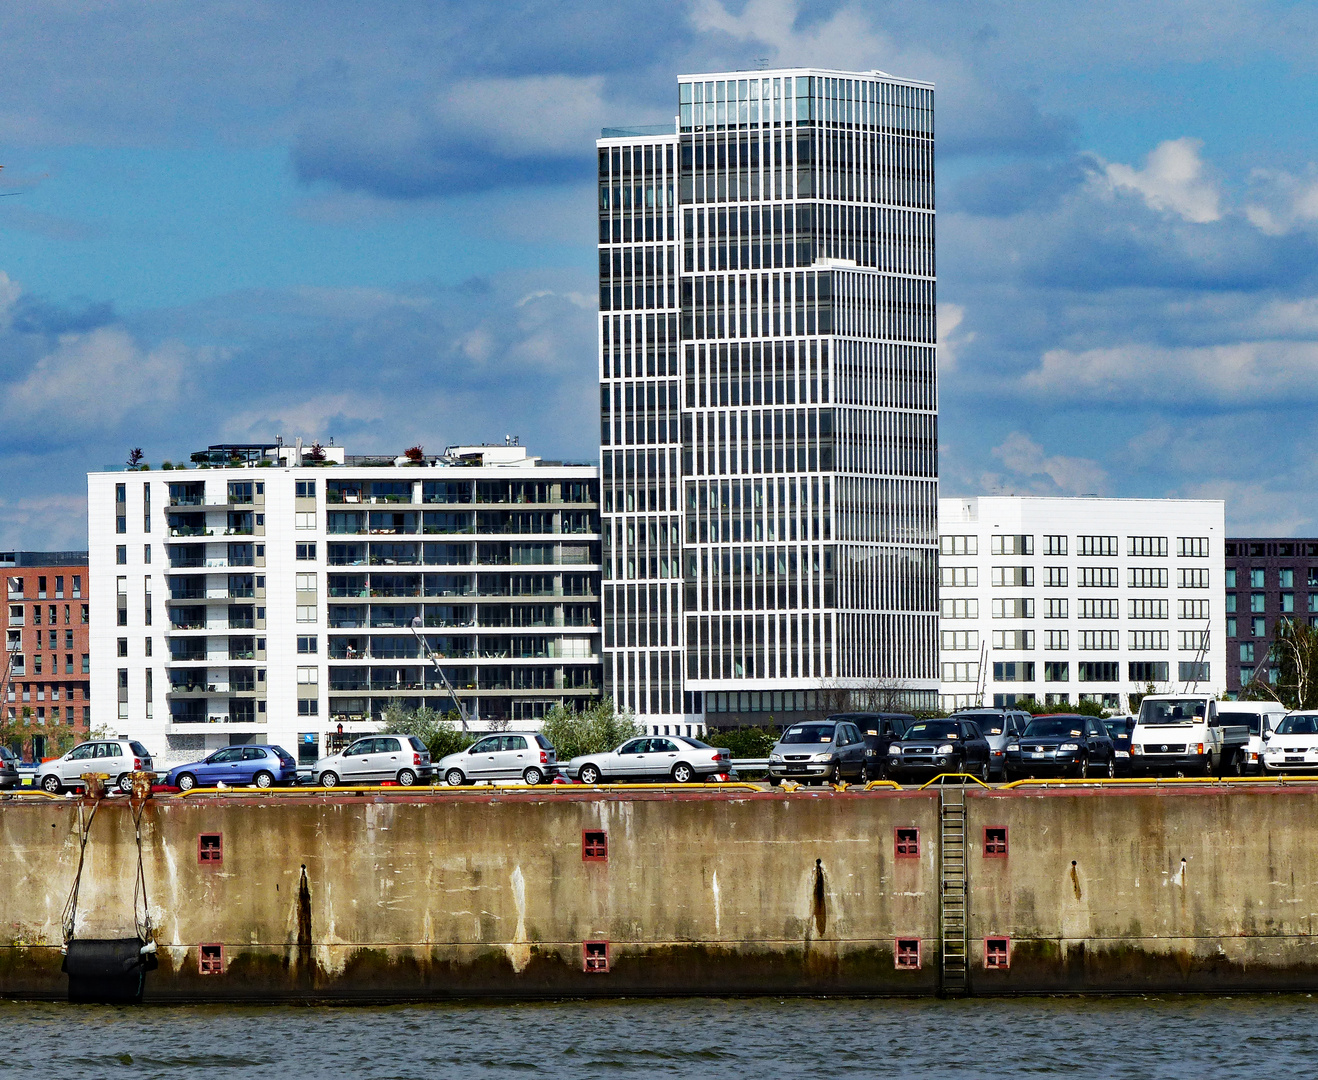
<point>420,895</point>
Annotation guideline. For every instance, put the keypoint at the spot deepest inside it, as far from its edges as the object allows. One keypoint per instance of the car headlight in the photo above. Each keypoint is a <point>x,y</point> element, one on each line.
<point>946,748</point>
<point>1013,746</point>
<point>1069,746</point>
<point>826,756</point>
<point>775,757</point>
<point>1123,753</point>
<point>895,753</point>
<point>1137,750</point>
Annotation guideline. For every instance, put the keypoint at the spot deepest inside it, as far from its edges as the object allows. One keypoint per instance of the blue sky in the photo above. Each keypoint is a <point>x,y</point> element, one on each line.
<point>373,223</point>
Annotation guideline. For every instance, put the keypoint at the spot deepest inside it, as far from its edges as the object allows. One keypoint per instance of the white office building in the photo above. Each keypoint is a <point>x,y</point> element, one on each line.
<point>1071,599</point>
<point>768,395</point>
<point>264,596</point>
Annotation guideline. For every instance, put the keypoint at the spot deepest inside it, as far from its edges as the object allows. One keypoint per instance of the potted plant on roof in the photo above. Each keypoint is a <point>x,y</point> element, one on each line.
<point>416,455</point>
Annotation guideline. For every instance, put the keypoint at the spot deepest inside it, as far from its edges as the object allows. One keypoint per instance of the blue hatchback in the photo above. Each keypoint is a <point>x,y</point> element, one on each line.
<point>237,766</point>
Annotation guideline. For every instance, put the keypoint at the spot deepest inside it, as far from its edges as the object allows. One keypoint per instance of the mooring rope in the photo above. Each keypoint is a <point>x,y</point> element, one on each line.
<point>71,907</point>
<point>142,922</point>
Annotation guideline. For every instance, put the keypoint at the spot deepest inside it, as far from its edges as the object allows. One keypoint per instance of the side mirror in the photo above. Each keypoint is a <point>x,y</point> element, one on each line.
<point>1267,735</point>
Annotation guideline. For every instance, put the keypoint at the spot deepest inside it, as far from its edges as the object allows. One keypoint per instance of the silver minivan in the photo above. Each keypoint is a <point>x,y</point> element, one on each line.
<point>116,758</point>
<point>510,755</point>
<point>403,759</point>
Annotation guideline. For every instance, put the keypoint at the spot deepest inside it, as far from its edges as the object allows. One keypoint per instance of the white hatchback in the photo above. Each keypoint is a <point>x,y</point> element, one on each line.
<point>1293,746</point>
<point>117,759</point>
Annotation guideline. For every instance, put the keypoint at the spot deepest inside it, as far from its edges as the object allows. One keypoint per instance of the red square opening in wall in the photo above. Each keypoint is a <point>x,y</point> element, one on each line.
<point>907,843</point>
<point>995,842</point>
<point>210,960</point>
<point>908,954</point>
<point>210,848</point>
<point>594,845</point>
<point>595,957</point>
<point>997,952</point>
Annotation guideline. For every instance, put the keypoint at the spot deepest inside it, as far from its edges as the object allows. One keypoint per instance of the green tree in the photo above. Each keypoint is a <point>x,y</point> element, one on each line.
<point>441,732</point>
<point>744,742</point>
<point>1291,673</point>
<point>591,730</point>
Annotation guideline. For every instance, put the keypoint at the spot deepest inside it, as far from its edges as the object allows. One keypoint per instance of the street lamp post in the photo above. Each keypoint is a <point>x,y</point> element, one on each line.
<point>462,709</point>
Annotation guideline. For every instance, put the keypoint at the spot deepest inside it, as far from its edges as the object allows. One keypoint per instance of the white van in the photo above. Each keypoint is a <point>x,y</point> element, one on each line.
<point>1261,717</point>
<point>1182,735</point>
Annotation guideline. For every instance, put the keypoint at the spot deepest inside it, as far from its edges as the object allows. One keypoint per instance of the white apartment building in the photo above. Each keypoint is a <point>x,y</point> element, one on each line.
<point>1072,599</point>
<point>267,597</point>
<point>768,398</point>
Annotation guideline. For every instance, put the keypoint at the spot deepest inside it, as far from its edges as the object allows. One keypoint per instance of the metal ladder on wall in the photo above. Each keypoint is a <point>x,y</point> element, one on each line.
<point>953,959</point>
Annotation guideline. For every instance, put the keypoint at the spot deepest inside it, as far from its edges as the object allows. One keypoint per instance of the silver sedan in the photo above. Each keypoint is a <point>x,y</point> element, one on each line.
<point>654,758</point>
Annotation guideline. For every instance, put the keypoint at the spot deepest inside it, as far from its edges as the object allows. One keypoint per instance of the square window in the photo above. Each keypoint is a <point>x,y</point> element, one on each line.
<point>997,952</point>
<point>908,954</point>
<point>210,848</point>
<point>995,842</point>
<point>595,957</point>
<point>594,845</point>
<point>306,551</point>
<point>908,843</point>
<point>307,644</point>
<point>211,959</point>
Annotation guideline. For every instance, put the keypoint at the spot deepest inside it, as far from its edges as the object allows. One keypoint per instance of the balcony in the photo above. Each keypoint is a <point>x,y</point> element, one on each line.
<point>191,532</point>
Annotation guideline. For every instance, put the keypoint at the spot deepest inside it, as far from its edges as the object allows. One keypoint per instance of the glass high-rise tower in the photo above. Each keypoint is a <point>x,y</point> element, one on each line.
<point>768,400</point>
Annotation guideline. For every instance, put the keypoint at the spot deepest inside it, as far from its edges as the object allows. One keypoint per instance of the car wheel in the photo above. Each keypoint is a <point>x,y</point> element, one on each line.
<point>864,773</point>
<point>406,778</point>
<point>125,783</point>
<point>1082,770</point>
<point>984,772</point>
<point>454,778</point>
<point>1112,769</point>
<point>329,779</point>
<point>1237,764</point>
<point>589,774</point>
<point>186,781</point>
<point>263,780</point>
<point>834,775</point>
<point>1208,764</point>
<point>533,776</point>
<point>50,784</point>
<point>683,773</point>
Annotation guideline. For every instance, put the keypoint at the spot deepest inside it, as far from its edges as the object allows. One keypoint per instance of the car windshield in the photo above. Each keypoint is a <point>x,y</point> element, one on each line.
<point>807,733</point>
<point>1253,720</point>
<point>1172,711</point>
<point>933,729</point>
<point>1298,725</point>
<point>989,723</point>
<point>1053,727</point>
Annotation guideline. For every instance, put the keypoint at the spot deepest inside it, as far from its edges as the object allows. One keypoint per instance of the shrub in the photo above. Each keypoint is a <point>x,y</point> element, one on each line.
<point>744,742</point>
<point>592,730</point>
<point>439,731</point>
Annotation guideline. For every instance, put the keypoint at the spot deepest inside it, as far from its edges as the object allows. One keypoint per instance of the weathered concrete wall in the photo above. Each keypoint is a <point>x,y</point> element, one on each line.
<point>420,896</point>
<point>431,895</point>
<point>1203,889</point>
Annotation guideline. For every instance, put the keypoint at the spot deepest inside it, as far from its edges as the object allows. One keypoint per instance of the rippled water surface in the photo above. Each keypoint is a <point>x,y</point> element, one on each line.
<point>1196,1038</point>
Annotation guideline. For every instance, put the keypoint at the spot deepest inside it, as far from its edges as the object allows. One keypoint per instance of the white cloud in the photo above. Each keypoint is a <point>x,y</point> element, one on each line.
<point>94,381</point>
<point>9,294</point>
<point>1172,180</point>
<point>1281,202</point>
<point>528,116</point>
<point>318,417</point>
<point>950,342</point>
<point>1068,475</point>
<point>1237,375</point>
<point>44,522</point>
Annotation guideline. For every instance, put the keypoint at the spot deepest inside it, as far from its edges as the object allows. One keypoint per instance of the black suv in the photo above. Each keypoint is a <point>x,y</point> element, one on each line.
<point>930,747</point>
<point>879,729</point>
<point>1066,744</point>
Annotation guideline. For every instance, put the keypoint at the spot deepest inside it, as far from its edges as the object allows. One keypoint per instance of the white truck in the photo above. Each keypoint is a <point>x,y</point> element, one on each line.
<point>1261,717</point>
<point>1183,735</point>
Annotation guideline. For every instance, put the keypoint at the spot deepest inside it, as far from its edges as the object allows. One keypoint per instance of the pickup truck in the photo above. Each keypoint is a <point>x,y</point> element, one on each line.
<point>1182,735</point>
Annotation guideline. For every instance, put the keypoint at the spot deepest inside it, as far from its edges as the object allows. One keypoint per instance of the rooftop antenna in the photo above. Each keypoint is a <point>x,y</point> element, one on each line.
<point>761,62</point>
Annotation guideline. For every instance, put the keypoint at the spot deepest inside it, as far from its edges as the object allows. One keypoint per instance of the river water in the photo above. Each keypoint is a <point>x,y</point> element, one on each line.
<point>1190,1037</point>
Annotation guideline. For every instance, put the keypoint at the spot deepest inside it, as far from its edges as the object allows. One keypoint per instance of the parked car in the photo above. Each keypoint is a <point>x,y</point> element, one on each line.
<point>999,726</point>
<point>510,755</point>
<point>878,729</point>
<point>652,758</point>
<point>1119,728</point>
<point>1183,734</point>
<point>236,766</point>
<point>117,758</point>
<point>1293,747</point>
<point>8,768</point>
<point>401,758</point>
<point>1261,717</point>
<point>822,751</point>
<point>930,747</point>
<point>1067,744</point>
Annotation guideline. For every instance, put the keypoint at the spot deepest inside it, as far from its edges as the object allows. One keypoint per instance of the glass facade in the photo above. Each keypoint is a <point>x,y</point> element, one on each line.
<point>769,399</point>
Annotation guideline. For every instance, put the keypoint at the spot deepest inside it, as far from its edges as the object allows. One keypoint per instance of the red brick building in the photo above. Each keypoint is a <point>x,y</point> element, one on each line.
<point>45,681</point>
